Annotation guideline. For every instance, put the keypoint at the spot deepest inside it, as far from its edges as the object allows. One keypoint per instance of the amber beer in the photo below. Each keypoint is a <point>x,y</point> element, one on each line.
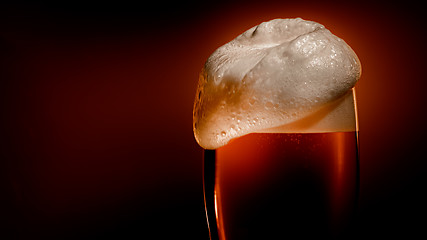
<point>283,186</point>
<point>278,105</point>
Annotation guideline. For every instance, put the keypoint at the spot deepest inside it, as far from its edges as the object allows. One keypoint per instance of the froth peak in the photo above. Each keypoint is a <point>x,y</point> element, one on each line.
<point>272,74</point>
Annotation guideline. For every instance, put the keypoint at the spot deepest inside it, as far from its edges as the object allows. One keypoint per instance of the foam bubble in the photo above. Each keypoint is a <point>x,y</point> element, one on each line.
<point>272,75</point>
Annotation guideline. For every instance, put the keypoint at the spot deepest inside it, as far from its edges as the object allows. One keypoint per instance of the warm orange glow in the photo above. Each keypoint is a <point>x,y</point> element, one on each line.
<point>218,211</point>
<point>96,121</point>
<point>338,180</point>
<point>340,158</point>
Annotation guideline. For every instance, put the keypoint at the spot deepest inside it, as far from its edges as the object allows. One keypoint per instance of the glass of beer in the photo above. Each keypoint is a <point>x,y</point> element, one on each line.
<point>289,168</point>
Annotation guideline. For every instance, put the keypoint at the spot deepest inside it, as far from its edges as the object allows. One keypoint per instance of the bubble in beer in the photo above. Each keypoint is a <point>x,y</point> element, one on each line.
<point>272,75</point>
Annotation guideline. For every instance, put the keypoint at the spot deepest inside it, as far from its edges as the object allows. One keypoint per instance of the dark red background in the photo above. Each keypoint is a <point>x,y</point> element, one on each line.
<point>96,113</point>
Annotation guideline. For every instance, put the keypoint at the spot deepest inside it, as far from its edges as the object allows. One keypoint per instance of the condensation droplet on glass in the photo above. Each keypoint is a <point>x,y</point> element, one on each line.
<point>255,120</point>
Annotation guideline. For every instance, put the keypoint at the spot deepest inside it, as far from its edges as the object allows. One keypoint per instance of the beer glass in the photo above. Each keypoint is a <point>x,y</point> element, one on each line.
<point>277,185</point>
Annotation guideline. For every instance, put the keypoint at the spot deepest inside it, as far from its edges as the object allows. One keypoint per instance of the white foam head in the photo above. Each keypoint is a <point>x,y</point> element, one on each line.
<point>272,75</point>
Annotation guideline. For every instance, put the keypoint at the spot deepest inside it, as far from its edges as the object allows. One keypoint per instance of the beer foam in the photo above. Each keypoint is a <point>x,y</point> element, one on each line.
<point>275,76</point>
